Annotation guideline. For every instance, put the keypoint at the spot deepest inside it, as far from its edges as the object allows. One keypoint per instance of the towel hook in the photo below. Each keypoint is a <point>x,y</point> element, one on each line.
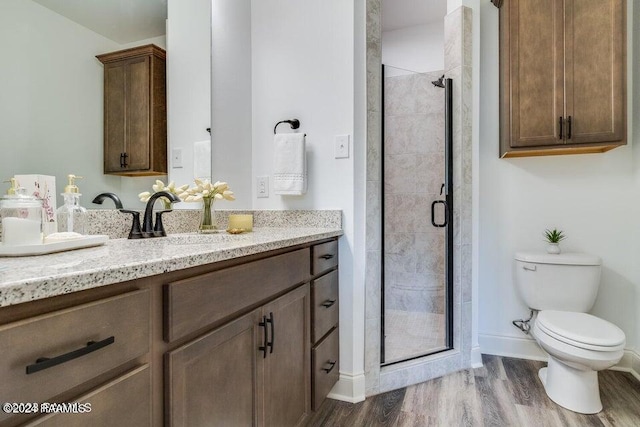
<point>295,124</point>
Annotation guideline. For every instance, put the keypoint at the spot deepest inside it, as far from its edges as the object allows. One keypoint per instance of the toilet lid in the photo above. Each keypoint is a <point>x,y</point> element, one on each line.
<point>580,329</point>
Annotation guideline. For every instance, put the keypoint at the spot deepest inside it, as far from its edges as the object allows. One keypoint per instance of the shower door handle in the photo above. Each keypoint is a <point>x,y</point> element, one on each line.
<point>433,213</point>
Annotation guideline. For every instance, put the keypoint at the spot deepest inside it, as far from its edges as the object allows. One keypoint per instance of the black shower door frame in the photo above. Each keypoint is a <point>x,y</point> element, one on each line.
<point>448,189</point>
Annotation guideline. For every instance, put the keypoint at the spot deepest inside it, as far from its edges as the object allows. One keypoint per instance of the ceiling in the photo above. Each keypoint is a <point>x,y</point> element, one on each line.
<point>122,21</point>
<point>398,14</point>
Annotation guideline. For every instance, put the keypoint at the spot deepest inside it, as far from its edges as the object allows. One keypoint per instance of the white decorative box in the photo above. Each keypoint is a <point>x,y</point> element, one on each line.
<point>42,187</point>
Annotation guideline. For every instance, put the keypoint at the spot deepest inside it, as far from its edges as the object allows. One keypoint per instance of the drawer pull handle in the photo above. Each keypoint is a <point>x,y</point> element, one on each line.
<point>266,338</point>
<point>326,256</point>
<point>273,333</point>
<point>332,364</point>
<point>328,303</point>
<point>46,362</point>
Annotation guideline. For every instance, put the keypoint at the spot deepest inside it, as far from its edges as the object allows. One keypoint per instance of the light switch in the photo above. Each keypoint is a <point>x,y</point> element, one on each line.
<point>262,186</point>
<point>176,158</point>
<point>342,146</point>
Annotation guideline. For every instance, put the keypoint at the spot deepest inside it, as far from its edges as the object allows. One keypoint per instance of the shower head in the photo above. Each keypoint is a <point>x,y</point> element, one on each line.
<point>439,82</point>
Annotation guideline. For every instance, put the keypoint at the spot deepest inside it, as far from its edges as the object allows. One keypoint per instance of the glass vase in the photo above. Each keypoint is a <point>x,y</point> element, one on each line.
<point>208,220</point>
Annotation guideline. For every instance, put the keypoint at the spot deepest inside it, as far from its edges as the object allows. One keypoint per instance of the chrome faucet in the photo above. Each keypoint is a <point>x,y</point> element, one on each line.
<point>148,228</point>
<point>100,198</point>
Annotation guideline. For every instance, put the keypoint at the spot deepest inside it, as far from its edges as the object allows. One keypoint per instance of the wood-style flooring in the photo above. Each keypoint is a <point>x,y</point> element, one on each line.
<point>504,392</point>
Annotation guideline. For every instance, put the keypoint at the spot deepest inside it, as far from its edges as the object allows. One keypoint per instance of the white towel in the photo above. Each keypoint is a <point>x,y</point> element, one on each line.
<point>290,172</point>
<point>202,160</point>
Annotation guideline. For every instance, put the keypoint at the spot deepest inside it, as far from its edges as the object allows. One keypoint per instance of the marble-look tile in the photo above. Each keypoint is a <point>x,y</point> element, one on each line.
<point>373,285</point>
<point>466,273</point>
<point>396,263</point>
<point>399,212</point>
<point>400,173</point>
<point>374,130</point>
<point>399,243</point>
<point>374,216</point>
<point>466,334</point>
<point>372,343</point>
<point>453,39</point>
<point>430,253</point>
<point>429,173</point>
<point>467,36</point>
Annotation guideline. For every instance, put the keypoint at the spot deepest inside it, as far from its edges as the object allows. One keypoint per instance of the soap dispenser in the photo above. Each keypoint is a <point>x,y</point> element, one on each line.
<point>72,217</point>
<point>21,217</point>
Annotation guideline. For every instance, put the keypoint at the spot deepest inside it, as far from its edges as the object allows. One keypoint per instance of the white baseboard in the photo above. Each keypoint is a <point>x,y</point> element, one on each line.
<point>476,357</point>
<point>349,388</point>
<point>527,348</point>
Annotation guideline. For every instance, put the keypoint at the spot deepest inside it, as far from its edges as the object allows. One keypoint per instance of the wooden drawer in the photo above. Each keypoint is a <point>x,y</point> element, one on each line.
<point>124,319</point>
<point>204,300</point>
<point>324,299</point>
<point>326,367</point>
<point>124,401</point>
<point>325,257</point>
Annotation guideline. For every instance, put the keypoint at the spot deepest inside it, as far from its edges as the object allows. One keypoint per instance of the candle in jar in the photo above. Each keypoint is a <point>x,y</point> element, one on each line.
<point>21,231</point>
<point>241,221</point>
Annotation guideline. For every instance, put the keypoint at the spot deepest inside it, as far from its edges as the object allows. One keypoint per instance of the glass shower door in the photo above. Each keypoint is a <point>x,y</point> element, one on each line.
<point>417,205</point>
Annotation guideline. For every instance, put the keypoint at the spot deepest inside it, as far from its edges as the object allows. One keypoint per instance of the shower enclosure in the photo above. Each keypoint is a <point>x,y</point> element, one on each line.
<point>417,226</point>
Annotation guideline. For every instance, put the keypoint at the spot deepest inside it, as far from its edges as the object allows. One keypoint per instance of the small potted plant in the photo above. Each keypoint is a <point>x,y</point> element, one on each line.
<point>553,238</point>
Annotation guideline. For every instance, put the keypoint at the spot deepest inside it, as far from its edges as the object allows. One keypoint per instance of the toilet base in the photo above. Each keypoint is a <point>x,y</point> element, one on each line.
<point>571,388</point>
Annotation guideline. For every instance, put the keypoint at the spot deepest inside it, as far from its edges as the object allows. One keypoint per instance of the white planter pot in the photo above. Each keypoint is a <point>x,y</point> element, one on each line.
<point>553,248</point>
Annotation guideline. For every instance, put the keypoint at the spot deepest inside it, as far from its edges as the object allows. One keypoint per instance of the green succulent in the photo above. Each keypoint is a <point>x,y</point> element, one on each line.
<point>554,236</point>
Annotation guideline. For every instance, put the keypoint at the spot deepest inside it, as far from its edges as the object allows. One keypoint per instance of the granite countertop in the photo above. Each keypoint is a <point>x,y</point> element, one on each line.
<point>36,277</point>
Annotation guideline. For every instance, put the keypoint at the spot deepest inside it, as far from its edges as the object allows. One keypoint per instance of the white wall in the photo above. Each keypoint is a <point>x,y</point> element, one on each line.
<point>51,108</point>
<point>231,97</point>
<point>303,67</point>
<point>594,198</point>
<point>188,82</point>
<point>419,48</point>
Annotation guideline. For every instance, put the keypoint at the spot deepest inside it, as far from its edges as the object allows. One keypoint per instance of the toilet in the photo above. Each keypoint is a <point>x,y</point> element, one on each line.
<point>563,288</point>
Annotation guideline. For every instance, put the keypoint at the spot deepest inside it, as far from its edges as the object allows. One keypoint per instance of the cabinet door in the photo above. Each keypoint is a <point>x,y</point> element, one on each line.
<point>114,115</point>
<point>212,380</point>
<point>138,113</point>
<point>287,372</point>
<point>595,70</point>
<point>531,62</point>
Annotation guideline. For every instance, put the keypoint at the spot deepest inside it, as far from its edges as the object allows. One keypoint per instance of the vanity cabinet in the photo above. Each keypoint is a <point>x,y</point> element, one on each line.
<point>246,341</point>
<point>135,112</point>
<point>562,76</point>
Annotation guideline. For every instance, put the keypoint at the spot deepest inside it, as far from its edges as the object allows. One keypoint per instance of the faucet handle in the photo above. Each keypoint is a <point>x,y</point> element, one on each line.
<point>158,228</point>
<point>136,232</point>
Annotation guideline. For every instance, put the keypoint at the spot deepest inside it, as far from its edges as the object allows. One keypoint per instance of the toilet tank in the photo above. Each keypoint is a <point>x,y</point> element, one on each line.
<point>566,282</point>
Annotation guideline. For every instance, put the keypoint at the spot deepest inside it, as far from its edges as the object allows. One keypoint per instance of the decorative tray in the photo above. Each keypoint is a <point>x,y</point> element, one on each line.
<point>49,248</point>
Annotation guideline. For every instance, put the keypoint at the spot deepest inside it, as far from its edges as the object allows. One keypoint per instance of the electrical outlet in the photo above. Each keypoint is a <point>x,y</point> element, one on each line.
<point>342,146</point>
<point>262,186</point>
<point>176,158</point>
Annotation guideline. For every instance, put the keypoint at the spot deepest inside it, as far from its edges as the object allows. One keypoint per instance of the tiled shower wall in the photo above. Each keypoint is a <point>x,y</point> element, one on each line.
<point>414,257</point>
<point>457,66</point>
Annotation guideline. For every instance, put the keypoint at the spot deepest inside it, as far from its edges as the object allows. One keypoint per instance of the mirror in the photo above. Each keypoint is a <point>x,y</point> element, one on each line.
<point>51,108</point>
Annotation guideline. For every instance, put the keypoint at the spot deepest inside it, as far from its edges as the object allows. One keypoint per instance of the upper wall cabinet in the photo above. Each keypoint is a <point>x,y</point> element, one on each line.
<point>135,111</point>
<point>562,76</point>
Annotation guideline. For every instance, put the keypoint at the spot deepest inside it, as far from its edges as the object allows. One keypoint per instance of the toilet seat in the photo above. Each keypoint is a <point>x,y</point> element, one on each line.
<point>581,330</point>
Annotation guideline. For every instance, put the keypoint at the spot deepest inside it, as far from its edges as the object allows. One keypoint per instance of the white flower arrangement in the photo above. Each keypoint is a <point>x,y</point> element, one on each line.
<point>205,190</point>
<point>159,186</point>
